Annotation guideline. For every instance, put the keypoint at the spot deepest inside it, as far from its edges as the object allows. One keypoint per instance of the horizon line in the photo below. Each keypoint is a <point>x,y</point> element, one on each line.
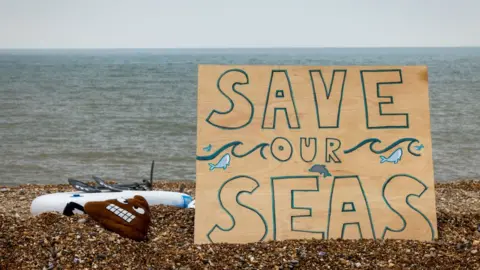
<point>235,48</point>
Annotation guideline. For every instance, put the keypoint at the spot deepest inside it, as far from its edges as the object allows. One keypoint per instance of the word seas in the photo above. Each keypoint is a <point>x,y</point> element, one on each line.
<point>350,216</point>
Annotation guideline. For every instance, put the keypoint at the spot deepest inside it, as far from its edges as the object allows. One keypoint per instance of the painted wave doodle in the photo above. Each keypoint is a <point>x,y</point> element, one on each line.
<point>374,141</point>
<point>234,145</point>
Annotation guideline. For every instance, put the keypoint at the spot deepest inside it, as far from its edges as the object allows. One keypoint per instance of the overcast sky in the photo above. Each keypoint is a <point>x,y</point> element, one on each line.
<point>245,23</point>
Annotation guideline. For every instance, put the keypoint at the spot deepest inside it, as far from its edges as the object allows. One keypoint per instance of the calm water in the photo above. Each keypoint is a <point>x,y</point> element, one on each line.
<point>110,113</point>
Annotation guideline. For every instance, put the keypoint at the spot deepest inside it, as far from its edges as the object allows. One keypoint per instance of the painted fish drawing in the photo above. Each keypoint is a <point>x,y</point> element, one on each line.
<point>223,163</point>
<point>321,169</point>
<point>418,148</point>
<point>394,157</point>
<point>208,148</point>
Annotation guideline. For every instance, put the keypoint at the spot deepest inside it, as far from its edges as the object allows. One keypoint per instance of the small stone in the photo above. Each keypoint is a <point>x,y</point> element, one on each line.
<point>322,253</point>
<point>358,265</point>
<point>82,220</point>
<point>301,253</point>
<point>474,251</point>
<point>391,264</point>
<point>476,242</point>
<point>22,198</point>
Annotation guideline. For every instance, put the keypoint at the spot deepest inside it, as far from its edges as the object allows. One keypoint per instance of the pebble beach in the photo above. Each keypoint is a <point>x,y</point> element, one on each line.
<point>55,241</point>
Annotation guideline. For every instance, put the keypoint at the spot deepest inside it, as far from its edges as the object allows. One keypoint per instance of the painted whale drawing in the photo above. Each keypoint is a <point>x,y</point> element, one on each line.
<point>223,163</point>
<point>321,169</point>
<point>394,157</point>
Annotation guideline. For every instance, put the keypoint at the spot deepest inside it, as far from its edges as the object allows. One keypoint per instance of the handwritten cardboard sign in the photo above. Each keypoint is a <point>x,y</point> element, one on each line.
<point>290,152</point>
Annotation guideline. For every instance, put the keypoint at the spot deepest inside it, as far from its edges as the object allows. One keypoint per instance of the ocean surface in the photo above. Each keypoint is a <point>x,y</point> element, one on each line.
<point>77,113</point>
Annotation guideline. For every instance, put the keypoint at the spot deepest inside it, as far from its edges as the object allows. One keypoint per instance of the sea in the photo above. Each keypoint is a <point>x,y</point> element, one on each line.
<point>110,113</point>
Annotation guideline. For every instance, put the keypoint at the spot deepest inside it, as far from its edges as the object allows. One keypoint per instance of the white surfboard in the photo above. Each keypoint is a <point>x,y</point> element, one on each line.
<point>56,202</point>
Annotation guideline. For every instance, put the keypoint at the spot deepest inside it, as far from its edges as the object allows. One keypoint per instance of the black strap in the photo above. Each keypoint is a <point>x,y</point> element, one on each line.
<point>68,211</point>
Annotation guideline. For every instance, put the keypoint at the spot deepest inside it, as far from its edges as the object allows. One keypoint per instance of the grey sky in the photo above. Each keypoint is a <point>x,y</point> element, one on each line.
<point>245,23</point>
